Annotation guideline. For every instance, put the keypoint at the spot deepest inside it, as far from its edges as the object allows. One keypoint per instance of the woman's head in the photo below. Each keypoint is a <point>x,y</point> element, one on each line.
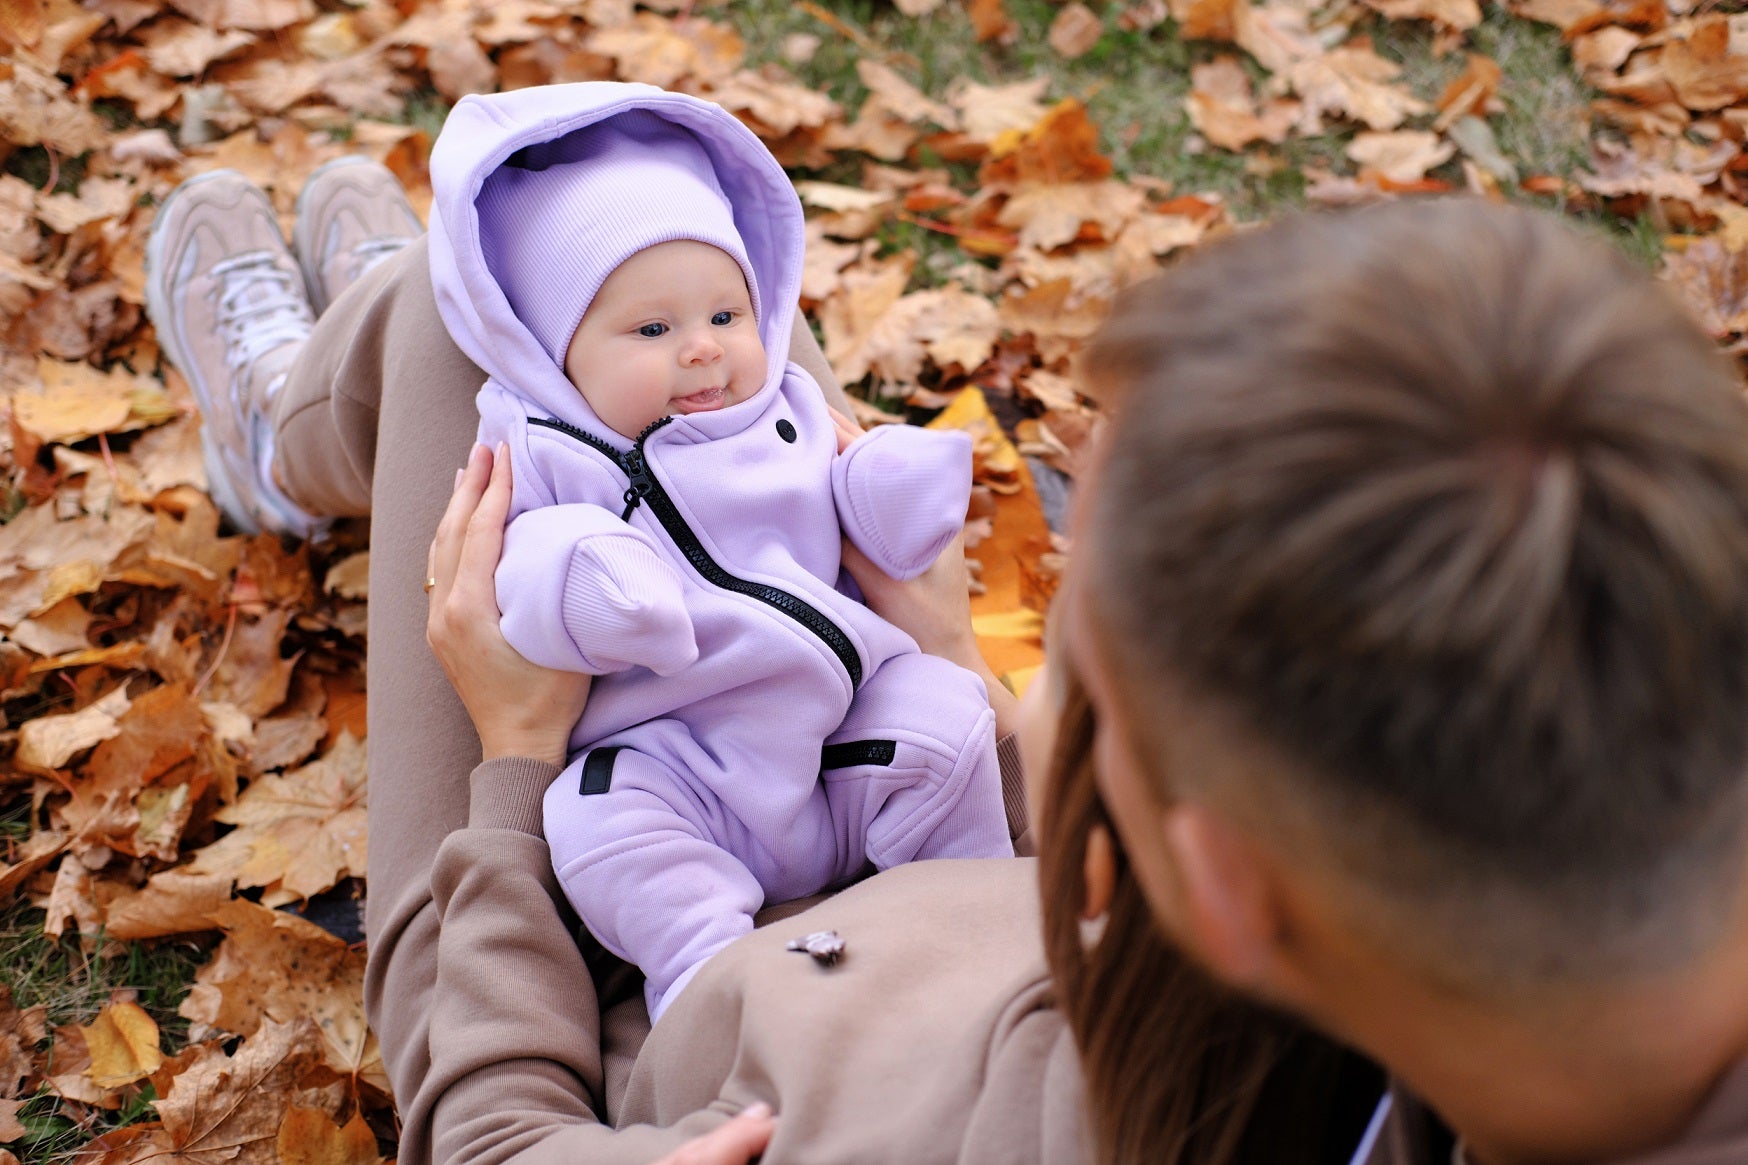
<point>1418,542</point>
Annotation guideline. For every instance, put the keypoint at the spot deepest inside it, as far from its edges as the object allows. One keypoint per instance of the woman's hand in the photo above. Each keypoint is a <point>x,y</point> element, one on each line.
<point>737,1142</point>
<point>934,608</point>
<point>518,708</point>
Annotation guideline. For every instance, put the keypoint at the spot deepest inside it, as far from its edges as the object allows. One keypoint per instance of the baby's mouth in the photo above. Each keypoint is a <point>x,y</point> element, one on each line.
<point>702,401</point>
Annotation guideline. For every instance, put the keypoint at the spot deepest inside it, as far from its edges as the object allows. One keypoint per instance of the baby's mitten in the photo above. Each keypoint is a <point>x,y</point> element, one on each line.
<point>580,590</point>
<point>624,606</point>
<point>902,493</point>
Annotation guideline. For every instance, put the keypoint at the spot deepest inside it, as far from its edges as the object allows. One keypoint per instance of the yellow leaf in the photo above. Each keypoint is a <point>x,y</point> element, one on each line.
<point>123,1042</point>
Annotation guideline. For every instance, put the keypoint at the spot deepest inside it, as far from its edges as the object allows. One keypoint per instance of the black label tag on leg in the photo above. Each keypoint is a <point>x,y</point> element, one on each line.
<point>857,752</point>
<point>598,771</point>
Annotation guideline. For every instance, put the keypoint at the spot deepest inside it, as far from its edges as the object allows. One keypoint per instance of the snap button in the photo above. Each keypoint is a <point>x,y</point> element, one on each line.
<point>786,431</point>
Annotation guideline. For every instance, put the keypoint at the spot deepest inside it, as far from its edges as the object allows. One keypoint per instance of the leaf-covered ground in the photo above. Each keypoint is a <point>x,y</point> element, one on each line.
<point>182,800</point>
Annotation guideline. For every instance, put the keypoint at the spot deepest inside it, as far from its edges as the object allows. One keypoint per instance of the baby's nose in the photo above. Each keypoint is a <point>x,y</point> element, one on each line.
<point>701,348</point>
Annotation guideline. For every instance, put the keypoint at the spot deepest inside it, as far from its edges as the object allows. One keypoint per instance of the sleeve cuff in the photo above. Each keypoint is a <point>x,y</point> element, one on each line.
<point>507,794</point>
<point>1013,785</point>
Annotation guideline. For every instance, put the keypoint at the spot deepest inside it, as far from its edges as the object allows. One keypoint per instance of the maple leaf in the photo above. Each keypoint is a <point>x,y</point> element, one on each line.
<point>215,1108</point>
<point>276,967</point>
<point>1712,280</point>
<point>123,1044</point>
<point>1402,157</point>
<point>1062,146</point>
<point>49,742</point>
<point>1708,66</point>
<point>298,833</point>
<point>1050,215</point>
<point>309,1136</point>
<point>1355,81</point>
<point>1224,110</point>
<point>986,112</point>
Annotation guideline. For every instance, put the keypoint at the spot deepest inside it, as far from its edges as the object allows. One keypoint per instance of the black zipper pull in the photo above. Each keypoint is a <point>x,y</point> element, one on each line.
<point>641,483</point>
<point>632,462</point>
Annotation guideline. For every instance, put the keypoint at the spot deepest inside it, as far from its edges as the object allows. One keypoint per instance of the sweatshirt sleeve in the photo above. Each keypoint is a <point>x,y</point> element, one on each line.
<point>514,1039</point>
<point>902,493</point>
<point>580,590</point>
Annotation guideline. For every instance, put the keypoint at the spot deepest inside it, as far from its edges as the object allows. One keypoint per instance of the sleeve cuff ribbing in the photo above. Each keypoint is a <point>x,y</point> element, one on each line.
<point>507,793</point>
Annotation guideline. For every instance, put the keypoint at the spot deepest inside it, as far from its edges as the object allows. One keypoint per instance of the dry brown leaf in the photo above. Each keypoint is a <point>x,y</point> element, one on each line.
<point>275,967</point>
<point>20,1032</point>
<point>1050,215</point>
<point>11,1128</point>
<point>989,20</point>
<point>1713,281</point>
<point>1708,67</point>
<point>866,293</point>
<point>176,48</point>
<point>1074,31</point>
<point>988,111</point>
<point>1205,19</point>
<point>309,1136</point>
<point>255,15</point>
<point>1356,82</point>
<point>1063,146</point>
<point>35,109</point>
<point>1402,157</point>
<point>75,401</point>
<point>49,742</point>
<point>661,52</point>
<point>299,833</point>
<point>1225,111</point>
<point>64,627</point>
<point>173,902</point>
<point>902,98</point>
<point>123,1044</point>
<point>218,1108</point>
<point>1460,15</point>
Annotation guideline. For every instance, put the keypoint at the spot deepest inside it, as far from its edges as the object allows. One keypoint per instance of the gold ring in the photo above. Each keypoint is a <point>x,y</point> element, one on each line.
<point>430,582</point>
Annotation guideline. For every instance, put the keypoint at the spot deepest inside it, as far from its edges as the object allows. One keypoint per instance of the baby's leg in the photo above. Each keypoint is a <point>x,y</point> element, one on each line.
<point>912,770</point>
<point>632,848</point>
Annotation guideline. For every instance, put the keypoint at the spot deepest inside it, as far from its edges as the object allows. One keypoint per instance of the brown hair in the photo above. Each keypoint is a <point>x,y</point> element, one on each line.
<point>1449,507</point>
<point>1178,1070</point>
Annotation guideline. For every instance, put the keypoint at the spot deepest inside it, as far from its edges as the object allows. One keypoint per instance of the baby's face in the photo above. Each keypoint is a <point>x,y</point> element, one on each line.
<point>670,331</point>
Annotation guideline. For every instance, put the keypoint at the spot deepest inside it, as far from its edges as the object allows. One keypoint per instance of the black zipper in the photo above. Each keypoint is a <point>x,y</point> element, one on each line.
<point>643,487</point>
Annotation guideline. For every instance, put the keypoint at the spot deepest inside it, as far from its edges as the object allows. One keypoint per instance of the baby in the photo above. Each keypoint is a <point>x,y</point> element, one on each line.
<point>625,263</point>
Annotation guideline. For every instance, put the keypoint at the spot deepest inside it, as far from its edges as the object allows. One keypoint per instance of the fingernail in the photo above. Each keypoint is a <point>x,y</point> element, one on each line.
<point>503,449</point>
<point>457,484</point>
<point>758,1111</point>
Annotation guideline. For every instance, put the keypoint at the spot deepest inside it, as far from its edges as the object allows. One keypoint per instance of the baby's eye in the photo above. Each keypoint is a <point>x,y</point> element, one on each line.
<point>653,330</point>
<point>722,318</point>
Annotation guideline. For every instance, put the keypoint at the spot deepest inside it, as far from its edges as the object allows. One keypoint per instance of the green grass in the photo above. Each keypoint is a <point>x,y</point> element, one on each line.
<point>73,985</point>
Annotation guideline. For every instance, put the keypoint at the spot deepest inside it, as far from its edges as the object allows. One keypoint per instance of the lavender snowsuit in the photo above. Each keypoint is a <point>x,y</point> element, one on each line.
<point>758,735</point>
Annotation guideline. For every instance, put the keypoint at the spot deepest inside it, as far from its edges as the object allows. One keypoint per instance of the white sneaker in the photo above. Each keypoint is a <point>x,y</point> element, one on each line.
<point>228,303</point>
<point>351,215</point>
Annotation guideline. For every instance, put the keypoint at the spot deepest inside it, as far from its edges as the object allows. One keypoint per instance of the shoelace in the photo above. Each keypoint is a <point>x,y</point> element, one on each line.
<point>370,252</point>
<point>261,306</point>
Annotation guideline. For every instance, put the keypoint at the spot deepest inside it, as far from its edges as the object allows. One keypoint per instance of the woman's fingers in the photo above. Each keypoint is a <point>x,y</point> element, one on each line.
<point>446,545</point>
<point>738,1141</point>
<point>483,541</point>
<point>846,429</point>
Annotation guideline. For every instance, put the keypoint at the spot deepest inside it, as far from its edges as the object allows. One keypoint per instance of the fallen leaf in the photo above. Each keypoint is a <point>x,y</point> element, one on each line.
<point>1074,31</point>
<point>309,1136</point>
<point>49,742</point>
<point>1225,111</point>
<point>1402,157</point>
<point>123,1043</point>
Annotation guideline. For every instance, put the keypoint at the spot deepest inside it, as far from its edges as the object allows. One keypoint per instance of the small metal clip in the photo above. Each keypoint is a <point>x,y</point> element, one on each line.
<point>823,946</point>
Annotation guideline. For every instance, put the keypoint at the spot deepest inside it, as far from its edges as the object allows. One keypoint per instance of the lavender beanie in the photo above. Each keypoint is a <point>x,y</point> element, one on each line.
<point>558,218</point>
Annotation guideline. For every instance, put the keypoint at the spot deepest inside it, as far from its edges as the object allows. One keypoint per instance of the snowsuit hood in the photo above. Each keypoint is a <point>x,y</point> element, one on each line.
<point>544,124</point>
